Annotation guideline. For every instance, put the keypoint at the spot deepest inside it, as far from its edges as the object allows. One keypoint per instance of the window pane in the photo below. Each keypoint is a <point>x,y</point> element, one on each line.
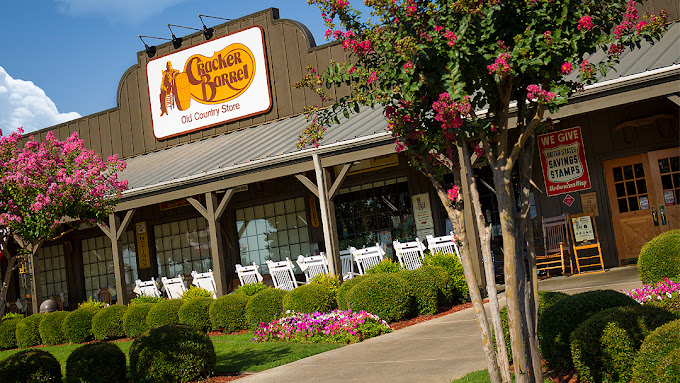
<point>633,203</point>
<point>675,164</point>
<point>641,186</point>
<point>666,181</point>
<point>618,174</point>
<point>623,205</point>
<point>639,171</point>
<point>628,172</point>
<point>630,188</point>
<point>664,166</point>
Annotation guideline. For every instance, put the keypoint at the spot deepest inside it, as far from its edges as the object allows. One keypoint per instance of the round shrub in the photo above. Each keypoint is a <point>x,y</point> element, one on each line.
<point>8,331</point>
<point>145,299</point>
<point>604,345</point>
<point>385,266</point>
<point>51,331</point>
<point>229,313</point>
<point>671,304</point>
<point>108,323</point>
<point>660,258</point>
<point>78,324</point>
<point>164,312</point>
<point>330,281</point>
<point>443,284</point>
<point>92,303</point>
<point>345,288</point>
<point>134,319</point>
<point>452,265</point>
<point>264,306</point>
<point>422,286</point>
<point>659,354</point>
<point>196,292</point>
<point>28,331</point>
<point>386,295</point>
<point>195,312</point>
<point>30,366</point>
<point>99,362</point>
<point>251,289</point>
<point>310,298</point>
<point>559,320</point>
<point>172,353</point>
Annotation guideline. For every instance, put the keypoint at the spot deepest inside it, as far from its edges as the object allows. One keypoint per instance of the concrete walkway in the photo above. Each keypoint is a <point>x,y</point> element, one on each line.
<point>438,350</point>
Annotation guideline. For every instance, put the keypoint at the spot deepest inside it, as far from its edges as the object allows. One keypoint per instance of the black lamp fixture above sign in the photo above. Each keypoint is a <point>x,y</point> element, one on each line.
<point>150,50</point>
<point>176,41</point>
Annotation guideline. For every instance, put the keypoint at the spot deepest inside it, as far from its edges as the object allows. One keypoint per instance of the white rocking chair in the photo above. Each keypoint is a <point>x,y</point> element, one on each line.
<point>174,287</point>
<point>367,257</point>
<point>148,288</point>
<point>313,265</point>
<point>347,262</point>
<point>205,281</point>
<point>282,274</point>
<point>445,244</point>
<point>410,254</point>
<point>249,274</point>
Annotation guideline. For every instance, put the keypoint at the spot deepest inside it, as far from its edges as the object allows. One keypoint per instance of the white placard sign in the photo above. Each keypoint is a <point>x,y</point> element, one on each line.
<point>583,229</point>
<point>422,212</point>
<point>211,83</point>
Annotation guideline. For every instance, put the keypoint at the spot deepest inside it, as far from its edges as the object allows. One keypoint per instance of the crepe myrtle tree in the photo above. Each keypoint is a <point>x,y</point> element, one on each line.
<point>449,75</point>
<point>48,189</point>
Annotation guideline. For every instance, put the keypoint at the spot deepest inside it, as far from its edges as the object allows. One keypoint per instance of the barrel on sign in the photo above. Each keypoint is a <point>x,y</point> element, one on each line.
<point>182,91</point>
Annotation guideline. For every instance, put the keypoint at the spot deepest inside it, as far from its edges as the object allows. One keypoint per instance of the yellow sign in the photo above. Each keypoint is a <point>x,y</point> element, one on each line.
<point>313,212</point>
<point>371,164</point>
<point>143,255</point>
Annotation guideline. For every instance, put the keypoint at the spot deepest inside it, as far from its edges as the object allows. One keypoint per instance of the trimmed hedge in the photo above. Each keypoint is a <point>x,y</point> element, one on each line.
<point>196,292</point>
<point>28,331</point>
<point>78,324</point>
<point>443,283</point>
<point>310,298</point>
<point>385,266</point>
<point>229,313</point>
<point>195,312</point>
<point>108,323</point>
<point>51,331</point>
<point>172,353</point>
<point>330,281</point>
<point>558,321</point>
<point>452,265</point>
<point>660,258</point>
<point>134,319</point>
<point>264,306</point>
<point>8,332</point>
<point>145,299</point>
<point>603,346</point>
<point>345,288</point>
<point>164,312</point>
<point>99,362</point>
<point>659,355</point>
<point>386,295</point>
<point>422,286</point>
<point>251,289</point>
<point>30,366</point>
<point>671,304</point>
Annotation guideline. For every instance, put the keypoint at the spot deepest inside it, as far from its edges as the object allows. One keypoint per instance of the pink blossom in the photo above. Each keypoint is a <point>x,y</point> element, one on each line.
<point>372,78</point>
<point>500,67</point>
<point>586,69</point>
<point>408,65</point>
<point>585,23</point>
<point>534,92</point>
<point>567,68</point>
<point>452,193</point>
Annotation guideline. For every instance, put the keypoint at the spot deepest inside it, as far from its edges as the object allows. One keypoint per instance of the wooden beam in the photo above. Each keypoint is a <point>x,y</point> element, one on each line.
<point>325,214</point>
<point>675,98</point>
<point>125,223</point>
<point>216,245</point>
<point>338,181</point>
<point>118,261</point>
<point>223,203</point>
<point>199,207</point>
<point>309,184</point>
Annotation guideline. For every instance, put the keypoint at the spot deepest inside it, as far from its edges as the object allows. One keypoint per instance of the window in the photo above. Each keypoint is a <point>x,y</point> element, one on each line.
<point>98,262</point>
<point>52,272</point>
<point>669,168</point>
<point>631,188</point>
<point>129,256</point>
<point>273,231</point>
<point>183,247</point>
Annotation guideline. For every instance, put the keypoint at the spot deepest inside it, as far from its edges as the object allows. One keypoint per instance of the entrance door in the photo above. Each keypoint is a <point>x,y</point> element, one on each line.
<point>644,192</point>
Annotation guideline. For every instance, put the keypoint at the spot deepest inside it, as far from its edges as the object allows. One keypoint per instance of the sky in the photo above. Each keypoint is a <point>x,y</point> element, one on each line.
<point>62,59</point>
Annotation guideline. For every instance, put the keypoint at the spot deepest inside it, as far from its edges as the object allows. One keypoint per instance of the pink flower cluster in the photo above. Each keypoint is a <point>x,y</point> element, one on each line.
<point>567,68</point>
<point>500,67</point>
<point>547,35</point>
<point>585,23</point>
<point>453,193</point>
<point>534,92</point>
<point>450,113</point>
<point>664,289</point>
<point>448,35</point>
<point>629,20</point>
<point>408,65</point>
<point>586,69</point>
<point>338,325</point>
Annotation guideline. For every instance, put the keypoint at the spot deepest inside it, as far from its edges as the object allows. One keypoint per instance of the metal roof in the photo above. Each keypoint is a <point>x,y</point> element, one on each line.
<point>266,141</point>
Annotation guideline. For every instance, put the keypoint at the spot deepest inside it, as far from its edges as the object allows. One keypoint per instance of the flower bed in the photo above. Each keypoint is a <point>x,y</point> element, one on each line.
<point>337,326</point>
<point>662,290</point>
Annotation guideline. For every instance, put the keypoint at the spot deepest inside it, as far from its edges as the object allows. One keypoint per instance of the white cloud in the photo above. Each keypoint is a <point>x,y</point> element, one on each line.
<point>130,11</point>
<point>23,104</point>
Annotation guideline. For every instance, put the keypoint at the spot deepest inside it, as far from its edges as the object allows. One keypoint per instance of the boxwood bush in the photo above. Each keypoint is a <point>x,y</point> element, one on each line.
<point>604,345</point>
<point>28,331</point>
<point>164,312</point>
<point>660,258</point>
<point>385,295</point>
<point>451,264</point>
<point>30,366</point>
<point>145,299</point>
<point>385,266</point>
<point>345,288</point>
<point>422,286</point>
<point>443,283</point>
<point>8,330</point>
<point>310,298</point>
<point>251,289</point>
<point>99,362</point>
<point>264,306</point>
<point>196,292</point>
<point>330,281</point>
<point>559,320</point>
<point>108,323</point>
<point>229,313</point>
<point>659,357</point>
<point>195,312</point>
<point>134,319</point>
<point>51,331</point>
<point>172,353</point>
<point>671,304</point>
<point>78,324</point>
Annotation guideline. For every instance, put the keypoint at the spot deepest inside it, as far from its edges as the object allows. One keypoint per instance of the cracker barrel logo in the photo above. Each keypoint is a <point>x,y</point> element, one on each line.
<point>208,80</point>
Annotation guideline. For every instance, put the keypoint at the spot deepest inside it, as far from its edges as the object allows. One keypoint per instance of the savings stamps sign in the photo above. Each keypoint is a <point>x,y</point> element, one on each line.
<point>218,81</point>
<point>564,161</point>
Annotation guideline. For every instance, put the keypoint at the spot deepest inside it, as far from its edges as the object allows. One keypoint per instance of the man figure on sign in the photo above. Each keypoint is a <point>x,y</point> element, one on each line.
<point>167,86</point>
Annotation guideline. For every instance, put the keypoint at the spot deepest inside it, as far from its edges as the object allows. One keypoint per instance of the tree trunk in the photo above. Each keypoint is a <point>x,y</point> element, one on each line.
<point>485,240</point>
<point>5,283</point>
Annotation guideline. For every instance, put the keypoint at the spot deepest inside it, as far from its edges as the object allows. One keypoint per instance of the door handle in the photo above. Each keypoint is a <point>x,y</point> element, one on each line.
<point>662,213</point>
<point>655,216</point>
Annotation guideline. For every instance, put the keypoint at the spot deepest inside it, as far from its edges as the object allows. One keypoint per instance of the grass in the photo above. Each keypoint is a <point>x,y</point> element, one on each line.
<point>235,353</point>
<point>481,376</point>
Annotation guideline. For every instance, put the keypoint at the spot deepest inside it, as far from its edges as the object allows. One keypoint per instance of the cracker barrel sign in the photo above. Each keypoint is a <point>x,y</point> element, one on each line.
<point>564,161</point>
<point>218,81</point>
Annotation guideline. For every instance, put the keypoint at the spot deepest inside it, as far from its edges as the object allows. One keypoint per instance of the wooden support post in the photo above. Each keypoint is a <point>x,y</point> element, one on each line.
<point>114,231</point>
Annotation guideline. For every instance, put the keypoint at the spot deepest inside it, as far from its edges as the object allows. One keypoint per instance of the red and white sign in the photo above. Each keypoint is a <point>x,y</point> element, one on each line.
<point>568,200</point>
<point>211,83</point>
<point>564,162</point>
